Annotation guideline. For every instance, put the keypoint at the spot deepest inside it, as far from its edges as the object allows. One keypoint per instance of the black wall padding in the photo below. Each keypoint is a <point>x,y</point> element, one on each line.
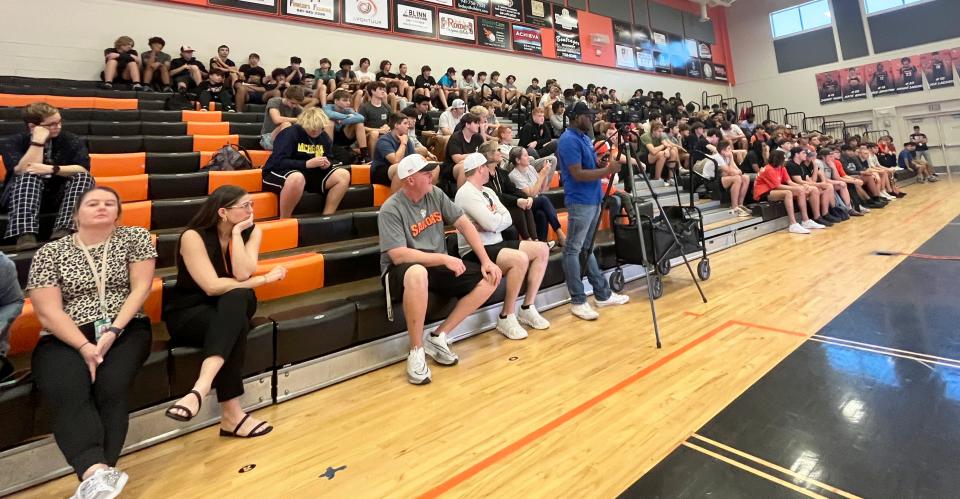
<point>924,23</point>
<point>849,21</point>
<point>805,50</point>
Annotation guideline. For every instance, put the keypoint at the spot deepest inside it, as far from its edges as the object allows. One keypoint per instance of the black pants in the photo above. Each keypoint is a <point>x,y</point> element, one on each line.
<point>90,419</point>
<point>220,327</point>
<point>547,149</point>
<point>524,221</point>
<point>224,97</point>
<point>545,215</point>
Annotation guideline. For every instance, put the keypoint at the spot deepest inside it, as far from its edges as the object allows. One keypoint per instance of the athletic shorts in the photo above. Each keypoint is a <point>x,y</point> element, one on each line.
<point>266,141</point>
<point>439,280</point>
<point>764,197</point>
<point>315,177</point>
<point>493,250</point>
<point>380,175</point>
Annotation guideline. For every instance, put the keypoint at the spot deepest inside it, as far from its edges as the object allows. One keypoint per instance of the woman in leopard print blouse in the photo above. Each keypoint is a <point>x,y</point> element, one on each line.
<point>88,290</point>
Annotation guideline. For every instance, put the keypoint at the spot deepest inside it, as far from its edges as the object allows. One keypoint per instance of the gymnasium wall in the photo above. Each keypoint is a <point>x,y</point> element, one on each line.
<point>759,80</point>
<point>74,34</point>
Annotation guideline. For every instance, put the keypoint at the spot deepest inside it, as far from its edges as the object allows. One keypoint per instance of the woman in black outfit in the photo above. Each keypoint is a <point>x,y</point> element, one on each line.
<point>518,204</point>
<point>88,289</point>
<point>213,302</point>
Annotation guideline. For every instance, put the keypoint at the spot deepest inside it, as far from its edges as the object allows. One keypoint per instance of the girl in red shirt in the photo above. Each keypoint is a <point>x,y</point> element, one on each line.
<point>773,183</point>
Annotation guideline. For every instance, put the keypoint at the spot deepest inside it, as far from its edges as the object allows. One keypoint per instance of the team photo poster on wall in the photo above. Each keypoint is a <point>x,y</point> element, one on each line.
<point>896,76</point>
<point>534,27</point>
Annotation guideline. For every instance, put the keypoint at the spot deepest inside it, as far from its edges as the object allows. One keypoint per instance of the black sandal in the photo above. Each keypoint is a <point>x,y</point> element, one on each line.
<point>172,415</point>
<point>255,432</point>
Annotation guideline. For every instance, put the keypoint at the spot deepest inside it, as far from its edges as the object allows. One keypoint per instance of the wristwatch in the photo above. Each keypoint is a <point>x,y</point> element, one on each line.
<point>115,330</point>
<point>56,169</point>
<point>38,144</point>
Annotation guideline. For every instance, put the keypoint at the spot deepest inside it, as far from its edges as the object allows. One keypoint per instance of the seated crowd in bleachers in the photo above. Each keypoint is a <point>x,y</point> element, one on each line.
<point>89,284</point>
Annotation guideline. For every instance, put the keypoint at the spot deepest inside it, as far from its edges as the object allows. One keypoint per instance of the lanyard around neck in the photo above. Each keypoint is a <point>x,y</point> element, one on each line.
<point>99,279</point>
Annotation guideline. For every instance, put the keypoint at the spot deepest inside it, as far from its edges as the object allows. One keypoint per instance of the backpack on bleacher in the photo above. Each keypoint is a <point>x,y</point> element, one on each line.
<point>230,158</point>
<point>178,102</point>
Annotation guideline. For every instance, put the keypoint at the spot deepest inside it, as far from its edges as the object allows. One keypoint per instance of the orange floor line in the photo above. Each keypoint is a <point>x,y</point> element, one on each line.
<point>768,328</point>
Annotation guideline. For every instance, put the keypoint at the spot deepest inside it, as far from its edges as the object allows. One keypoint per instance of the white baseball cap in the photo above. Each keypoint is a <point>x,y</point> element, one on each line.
<point>413,164</point>
<point>187,48</point>
<point>474,161</point>
<point>458,104</point>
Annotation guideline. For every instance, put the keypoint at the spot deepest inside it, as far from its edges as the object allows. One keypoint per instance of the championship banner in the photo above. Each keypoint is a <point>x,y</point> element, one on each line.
<point>828,85</point>
<point>413,19</point>
<point>326,10</point>
<point>368,13</point>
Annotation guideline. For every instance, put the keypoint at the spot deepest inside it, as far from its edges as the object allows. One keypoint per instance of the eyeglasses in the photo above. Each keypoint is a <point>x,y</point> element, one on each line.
<point>55,124</point>
<point>245,206</point>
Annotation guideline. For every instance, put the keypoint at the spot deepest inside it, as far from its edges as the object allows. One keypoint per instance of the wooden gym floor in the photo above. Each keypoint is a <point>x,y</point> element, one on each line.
<point>581,410</point>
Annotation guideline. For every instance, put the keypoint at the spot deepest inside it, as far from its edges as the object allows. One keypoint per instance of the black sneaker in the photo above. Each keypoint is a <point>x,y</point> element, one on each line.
<point>832,219</point>
<point>823,222</point>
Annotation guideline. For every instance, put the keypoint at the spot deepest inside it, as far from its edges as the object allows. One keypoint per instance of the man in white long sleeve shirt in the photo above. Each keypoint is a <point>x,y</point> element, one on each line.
<point>517,259</point>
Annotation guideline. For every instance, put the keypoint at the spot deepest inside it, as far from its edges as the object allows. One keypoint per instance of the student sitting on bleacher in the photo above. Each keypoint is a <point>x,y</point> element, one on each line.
<point>227,67</point>
<point>424,125</point>
<point>375,112</point>
<point>519,260</point>
<point>280,113</point>
<point>732,178</point>
<point>466,139</point>
<point>213,302</point>
<point>820,195</point>
<point>534,184</point>
<point>156,63</point>
<point>871,181</point>
<point>11,303</point>
<point>301,160</point>
<point>45,164</point>
<point>773,184</point>
<point>908,161</point>
<point>186,71</point>
<point>215,88</point>
<point>450,118</point>
<point>121,65</point>
<point>88,291</point>
<point>347,123</point>
<point>537,134</point>
<point>411,113</point>
<point>391,148</point>
<point>414,260</point>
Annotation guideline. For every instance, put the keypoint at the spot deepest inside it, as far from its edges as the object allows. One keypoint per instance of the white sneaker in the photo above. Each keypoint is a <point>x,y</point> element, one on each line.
<point>886,196</point>
<point>436,347</point>
<point>743,212</point>
<point>510,328</point>
<point>933,178</point>
<point>532,318</point>
<point>797,229</point>
<point>104,483</point>
<point>667,183</point>
<point>585,312</point>
<point>418,373</point>
<point>864,209</point>
<point>614,299</point>
<point>810,224</point>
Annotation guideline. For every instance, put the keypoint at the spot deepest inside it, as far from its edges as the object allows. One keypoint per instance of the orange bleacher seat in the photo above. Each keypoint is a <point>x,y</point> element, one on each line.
<point>117,165</point>
<point>136,214</point>
<point>380,194</point>
<point>64,102</point>
<point>251,180</point>
<point>279,235</point>
<point>3,170</point>
<point>208,128</point>
<point>213,142</point>
<point>17,100</point>
<point>108,103</point>
<point>562,217</point>
<point>205,116</point>
<point>264,205</point>
<point>130,187</point>
<point>359,174</point>
<point>154,302</point>
<point>304,274</point>
<point>555,181</point>
<point>25,331</point>
<point>259,157</point>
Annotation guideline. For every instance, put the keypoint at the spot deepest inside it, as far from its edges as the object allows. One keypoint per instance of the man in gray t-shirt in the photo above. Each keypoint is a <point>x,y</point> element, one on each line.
<point>414,260</point>
<point>280,113</point>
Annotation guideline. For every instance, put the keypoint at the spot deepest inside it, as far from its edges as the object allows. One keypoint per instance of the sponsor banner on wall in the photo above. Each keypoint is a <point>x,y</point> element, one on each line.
<point>327,10</point>
<point>527,39</point>
<point>938,68</point>
<point>908,75</point>
<point>678,64</point>
<point>642,39</point>
<point>709,70</point>
<point>508,9</point>
<point>448,3</point>
<point>623,45</point>
<point>880,78</point>
<point>704,52</point>
<point>567,32</point>
<point>369,13</point>
<point>828,86</point>
<point>853,83</point>
<point>694,68</point>
<point>645,60</point>
<point>720,72</point>
<point>626,58</point>
<point>659,41</point>
<point>493,33</point>
<point>413,19</point>
<point>256,5</point>
<point>538,13</point>
<point>481,6</point>
<point>457,27</point>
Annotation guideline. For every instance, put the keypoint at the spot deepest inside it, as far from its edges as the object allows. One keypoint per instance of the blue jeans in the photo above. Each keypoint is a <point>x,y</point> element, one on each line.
<point>11,300</point>
<point>581,226</point>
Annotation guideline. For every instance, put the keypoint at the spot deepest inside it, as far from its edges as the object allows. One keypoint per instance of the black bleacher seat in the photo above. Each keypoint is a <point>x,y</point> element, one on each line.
<point>72,114</point>
<point>365,223</point>
<point>153,128</point>
<point>325,229</point>
<point>348,265</point>
<point>99,144</point>
<point>173,213</point>
<point>154,96</point>
<point>251,142</point>
<point>13,113</point>
<point>185,361</point>
<point>151,385</point>
<point>315,330</point>
<point>161,116</point>
<point>245,128</point>
<point>245,117</point>
<point>256,108</point>
<point>115,128</point>
<point>22,260</point>
<point>172,162</point>
<point>167,249</point>
<point>372,320</point>
<point>12,127</point>
<point>177,185</point>
<point>77,127</point>
<point>71,92</point>
<point>150,105</point>
<point>165,143</point>
<point>117,94</point>
<point>114,115</point>
<point>357,196</point>
<point>556,198</point>
<point>18,403</point>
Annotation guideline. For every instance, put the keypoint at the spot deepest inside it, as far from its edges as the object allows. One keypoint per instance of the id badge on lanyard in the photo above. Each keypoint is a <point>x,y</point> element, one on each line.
<point>101,325</point>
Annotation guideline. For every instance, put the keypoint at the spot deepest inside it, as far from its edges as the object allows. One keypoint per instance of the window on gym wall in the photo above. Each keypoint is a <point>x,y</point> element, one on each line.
<point>878,6</point>
<point>804,17</point>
